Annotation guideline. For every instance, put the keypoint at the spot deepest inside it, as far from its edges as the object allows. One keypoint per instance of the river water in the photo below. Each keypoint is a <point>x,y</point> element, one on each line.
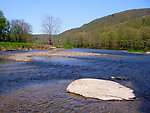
<point>40,85</point>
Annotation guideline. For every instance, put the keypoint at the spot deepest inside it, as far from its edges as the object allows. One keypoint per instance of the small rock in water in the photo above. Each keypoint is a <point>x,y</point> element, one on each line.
<point>119,78</point>
<point>100,89</point>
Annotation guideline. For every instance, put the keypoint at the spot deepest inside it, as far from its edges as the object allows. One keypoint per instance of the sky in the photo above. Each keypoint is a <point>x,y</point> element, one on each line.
<point>72,13</point>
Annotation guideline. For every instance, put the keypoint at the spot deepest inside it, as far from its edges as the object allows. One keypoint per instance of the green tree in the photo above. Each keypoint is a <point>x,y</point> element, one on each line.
<point>128,35</point>
<point>20,31</point>
<point>4,28</point>
<point>102,40</point>
<point>143,35</point>
<point>111,41</point>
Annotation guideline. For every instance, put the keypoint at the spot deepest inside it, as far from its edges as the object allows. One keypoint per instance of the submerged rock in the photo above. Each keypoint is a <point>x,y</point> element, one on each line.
<point>100,89</point>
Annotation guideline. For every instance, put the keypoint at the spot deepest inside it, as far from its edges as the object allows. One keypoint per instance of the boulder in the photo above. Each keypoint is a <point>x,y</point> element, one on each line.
<point>100,89</point>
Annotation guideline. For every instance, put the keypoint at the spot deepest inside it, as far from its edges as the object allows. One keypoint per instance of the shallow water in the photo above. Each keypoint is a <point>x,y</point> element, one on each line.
<point>40,85</point>
<point>10,52</point>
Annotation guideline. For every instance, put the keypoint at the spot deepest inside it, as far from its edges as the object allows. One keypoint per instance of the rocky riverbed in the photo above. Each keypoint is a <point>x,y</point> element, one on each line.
<point>39,85</point>
<point>23,57</point>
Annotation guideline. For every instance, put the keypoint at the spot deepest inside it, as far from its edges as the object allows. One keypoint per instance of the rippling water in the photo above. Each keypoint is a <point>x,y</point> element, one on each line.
<point>40,85</point>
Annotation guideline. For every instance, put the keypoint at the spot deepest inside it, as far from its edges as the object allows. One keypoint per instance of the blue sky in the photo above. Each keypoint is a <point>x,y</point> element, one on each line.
<point>73,13</point>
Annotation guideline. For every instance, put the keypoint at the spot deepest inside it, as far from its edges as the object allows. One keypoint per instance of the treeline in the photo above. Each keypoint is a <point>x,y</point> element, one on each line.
<point>131,34</point>
<point>14,30</point>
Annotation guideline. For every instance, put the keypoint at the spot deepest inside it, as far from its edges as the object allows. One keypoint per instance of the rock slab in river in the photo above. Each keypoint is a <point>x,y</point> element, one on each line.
<point>100,89</point>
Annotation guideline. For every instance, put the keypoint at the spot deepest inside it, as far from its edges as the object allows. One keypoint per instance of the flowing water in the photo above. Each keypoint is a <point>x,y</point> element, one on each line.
<point>40,85</point>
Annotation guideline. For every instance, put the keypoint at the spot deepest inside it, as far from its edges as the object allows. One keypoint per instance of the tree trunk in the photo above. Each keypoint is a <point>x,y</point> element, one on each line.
<point>50,41</point>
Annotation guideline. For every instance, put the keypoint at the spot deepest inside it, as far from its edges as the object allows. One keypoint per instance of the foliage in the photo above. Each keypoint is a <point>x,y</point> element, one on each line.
<point>4,28</point>
<point>14,31</point>
<point>20,31</point>
<point>129,30</point>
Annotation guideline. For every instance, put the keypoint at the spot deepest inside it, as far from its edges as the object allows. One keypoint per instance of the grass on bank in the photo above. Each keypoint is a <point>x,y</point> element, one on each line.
<point>137,51</point>
<point>66,46</point>
<point>15,46</point>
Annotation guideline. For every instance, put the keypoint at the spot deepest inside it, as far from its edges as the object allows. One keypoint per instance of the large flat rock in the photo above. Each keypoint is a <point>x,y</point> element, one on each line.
<point>100,89</point>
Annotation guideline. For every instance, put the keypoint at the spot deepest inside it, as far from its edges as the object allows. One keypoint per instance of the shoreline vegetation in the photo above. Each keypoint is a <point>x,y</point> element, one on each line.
<point>12,46</point>
<point>66,46</point>
<point>15,46</point>
<point>138,51</point>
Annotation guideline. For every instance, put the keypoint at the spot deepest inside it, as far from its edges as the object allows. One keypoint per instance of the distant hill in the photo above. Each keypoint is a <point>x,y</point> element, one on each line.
<point>112,19</point>
<point>40,38</point>
<point>124,30</point>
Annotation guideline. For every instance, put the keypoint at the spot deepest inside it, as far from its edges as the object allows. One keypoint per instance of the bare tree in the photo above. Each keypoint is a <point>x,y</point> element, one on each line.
<point>51,26</point>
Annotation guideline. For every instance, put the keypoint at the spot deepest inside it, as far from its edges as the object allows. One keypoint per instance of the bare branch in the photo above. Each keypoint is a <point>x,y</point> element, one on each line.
<point>51,26</point>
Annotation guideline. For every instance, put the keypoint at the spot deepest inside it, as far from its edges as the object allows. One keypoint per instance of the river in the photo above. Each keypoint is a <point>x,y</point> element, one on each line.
<point>40,85</point>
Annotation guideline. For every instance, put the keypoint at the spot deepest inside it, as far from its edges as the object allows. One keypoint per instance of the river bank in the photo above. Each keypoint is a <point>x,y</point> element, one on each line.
<point>24,57</point>
<point>137,51</point>
<point>14,46</point>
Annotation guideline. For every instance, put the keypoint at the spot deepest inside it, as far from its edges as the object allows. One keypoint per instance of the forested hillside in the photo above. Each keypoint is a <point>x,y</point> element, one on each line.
<point>125,30</point>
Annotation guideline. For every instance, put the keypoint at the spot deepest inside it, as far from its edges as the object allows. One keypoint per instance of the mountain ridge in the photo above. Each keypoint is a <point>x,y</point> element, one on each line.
<point>143,11</point>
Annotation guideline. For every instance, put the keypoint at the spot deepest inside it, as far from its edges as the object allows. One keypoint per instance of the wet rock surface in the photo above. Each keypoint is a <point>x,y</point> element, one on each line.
<point>40,84</point>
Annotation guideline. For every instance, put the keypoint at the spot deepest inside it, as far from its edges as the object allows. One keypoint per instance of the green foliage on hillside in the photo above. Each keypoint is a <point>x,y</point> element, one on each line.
<point>41,38</point>
<point>125,30</point>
